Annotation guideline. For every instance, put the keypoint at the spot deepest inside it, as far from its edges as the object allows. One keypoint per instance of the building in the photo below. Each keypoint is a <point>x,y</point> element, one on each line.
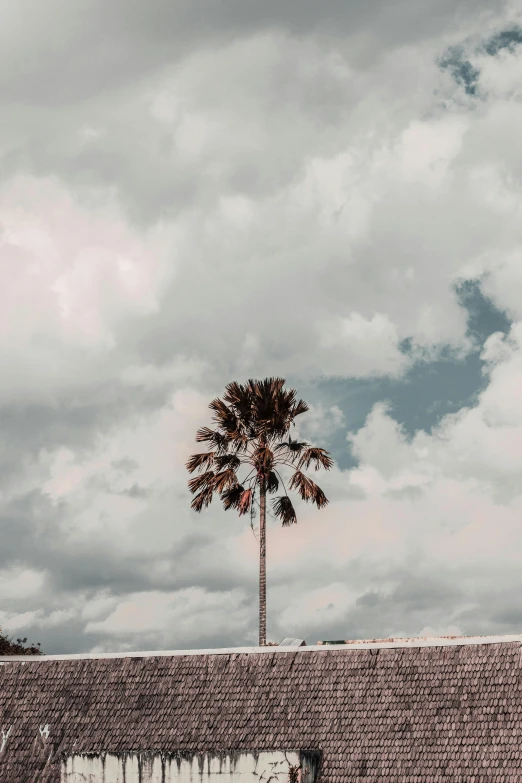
<point>414,711</point>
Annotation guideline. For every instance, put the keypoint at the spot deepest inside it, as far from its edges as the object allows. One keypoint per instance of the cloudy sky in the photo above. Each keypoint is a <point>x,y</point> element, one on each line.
<point>195,192</point>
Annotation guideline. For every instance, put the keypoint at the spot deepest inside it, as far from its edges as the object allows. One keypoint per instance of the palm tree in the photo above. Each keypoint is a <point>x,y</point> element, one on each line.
<point>253,422</point>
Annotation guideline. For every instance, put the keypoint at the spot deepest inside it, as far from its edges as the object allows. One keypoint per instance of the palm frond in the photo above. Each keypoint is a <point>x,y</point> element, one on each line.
<point>239,398</point>
<point>224,417</point>
<point>237,497</point>
<point>224,480</point>
<point>203,499</point>
<point>262,460</point>
<point>259,408</point>
<point>265,389</point>
<point>295,447</point>
<point>308,490</point>
<point>232,496</point>
<point>272,405</point>
<point>245,502</point>
<point>272,483</point>
<point>239,441</point>
<point>204,434</point>
<point>231,461</point>
<point>199,482</point>
<point>216,439</point>
<point>320,458</point>
<point>198,461</point>
<point>284,510</point>
<point>299,408</point>
<point>252,423</point>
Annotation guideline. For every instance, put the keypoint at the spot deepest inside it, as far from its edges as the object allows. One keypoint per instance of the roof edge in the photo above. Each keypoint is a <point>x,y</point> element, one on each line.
<point>347,648</point>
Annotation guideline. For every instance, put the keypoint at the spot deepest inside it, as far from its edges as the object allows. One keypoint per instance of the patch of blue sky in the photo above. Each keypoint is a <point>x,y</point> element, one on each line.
<point>465,73</point>
<point>427,392</point>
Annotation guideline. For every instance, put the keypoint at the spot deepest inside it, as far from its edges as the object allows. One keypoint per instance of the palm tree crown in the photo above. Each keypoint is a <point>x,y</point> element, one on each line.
<point>252,421</point>
<point>252,424</point>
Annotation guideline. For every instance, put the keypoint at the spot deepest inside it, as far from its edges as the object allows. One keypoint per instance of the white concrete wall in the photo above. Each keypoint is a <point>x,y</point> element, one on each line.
<point>242,768</point>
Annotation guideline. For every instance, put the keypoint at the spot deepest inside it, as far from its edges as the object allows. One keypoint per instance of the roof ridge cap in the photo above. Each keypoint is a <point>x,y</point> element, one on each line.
<point>435,641</point>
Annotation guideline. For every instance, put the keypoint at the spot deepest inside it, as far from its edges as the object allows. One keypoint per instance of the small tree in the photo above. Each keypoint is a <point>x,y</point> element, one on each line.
<point>20,647</point>
<point>253,421</point>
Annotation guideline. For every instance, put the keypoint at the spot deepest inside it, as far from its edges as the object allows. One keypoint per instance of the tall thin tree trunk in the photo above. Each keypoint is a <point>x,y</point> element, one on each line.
<point>262,564</point>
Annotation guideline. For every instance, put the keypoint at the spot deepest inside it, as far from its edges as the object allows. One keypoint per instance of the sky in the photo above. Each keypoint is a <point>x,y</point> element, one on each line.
<point>193,193</point>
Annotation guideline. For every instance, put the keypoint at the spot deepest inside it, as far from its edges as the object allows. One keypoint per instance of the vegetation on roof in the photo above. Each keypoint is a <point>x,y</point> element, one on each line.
<point>19,647</point>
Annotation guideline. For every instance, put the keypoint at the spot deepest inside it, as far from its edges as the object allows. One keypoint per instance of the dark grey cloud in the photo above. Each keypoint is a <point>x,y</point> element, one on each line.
<point>191,21</point>
<point>165,182</point>
<point>71,422</point>
<point>70,637</point>
<point>432,600</point>
<point>63,70</point>
<point>404,601</point>
<point>35,533</point>
<point>36,537</point>
<point>415,602</point>
<point>67,637</point>
<point>56,53</point>
<point>418,600</point>
<point>25,525</point>
<point>136,492</point>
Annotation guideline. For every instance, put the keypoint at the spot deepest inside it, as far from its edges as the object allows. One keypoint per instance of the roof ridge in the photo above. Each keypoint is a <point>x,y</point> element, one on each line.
<point>435,641</point>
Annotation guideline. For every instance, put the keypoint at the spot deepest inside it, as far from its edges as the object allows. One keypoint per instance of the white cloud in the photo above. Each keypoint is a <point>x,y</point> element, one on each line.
<point>322,607</point>
<point>321,422</point>
<point>335,197</point>
<point>278,201</point>
<point>157,447</point>
<point>360,346</point>
<point>424,513</point>
<point>477,446</point>
<point>185,616</point>
<point>68,276</point>
<point>444,503</point>
<point>501,75</point>
<point>18,583</point>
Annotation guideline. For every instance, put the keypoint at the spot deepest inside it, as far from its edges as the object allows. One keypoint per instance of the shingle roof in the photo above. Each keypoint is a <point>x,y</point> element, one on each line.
<point>424,711</point>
